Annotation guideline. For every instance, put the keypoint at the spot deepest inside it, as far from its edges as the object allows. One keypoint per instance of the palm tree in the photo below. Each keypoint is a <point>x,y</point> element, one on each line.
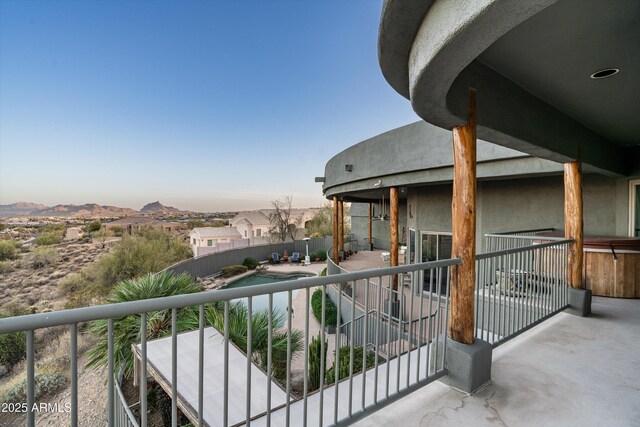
<point>126,330</point>
<point>238,332</point>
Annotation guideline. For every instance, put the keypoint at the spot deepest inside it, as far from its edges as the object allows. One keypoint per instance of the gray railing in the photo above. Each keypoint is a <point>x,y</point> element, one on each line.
<point>340,403</point>
<point>518,288</point>
<point>517,239</point>
<point>122,416</point>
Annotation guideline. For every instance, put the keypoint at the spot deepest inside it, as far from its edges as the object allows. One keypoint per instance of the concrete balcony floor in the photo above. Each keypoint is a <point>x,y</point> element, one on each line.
<point>566,371</point>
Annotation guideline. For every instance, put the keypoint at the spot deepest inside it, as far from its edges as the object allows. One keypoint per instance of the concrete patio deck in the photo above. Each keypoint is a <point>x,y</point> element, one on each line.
<point>567,371</point>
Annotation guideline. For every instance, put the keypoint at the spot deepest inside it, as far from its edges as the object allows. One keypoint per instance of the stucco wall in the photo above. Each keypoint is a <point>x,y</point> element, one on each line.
<point>380,229</point>
<point>509,205</point>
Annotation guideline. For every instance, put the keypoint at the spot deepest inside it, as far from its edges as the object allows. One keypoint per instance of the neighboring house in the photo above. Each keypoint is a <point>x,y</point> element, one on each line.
<point>255,225</point>
<point>204,240</point>
<point>74,233</point>
<point>130,224</point>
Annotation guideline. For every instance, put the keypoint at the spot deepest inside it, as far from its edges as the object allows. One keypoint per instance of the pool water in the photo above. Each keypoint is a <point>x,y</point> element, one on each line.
<point>261,302</point>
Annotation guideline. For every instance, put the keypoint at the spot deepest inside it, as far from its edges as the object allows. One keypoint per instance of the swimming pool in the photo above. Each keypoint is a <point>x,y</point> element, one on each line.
<point>261,302</point>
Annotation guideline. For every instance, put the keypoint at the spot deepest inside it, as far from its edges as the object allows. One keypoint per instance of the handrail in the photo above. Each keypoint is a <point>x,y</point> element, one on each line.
<point>514,237</point>
<point>522,249</point>
<point>535,230</point>
<point>77,315</point>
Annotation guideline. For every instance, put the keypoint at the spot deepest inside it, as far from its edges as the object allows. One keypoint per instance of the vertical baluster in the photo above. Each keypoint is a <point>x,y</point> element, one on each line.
<point>378,319</point>
<point>269,356</point>
<point>410,333</point>
<point>365,341</point>
<point>250,351</point>
<point>439,320</point>
<point>352,344</point>
<point>225,406</point>
<point>429,322</point>
<point>389,312</point>
<point>336,359</point>
<point>200,364</point>
<point>73,333</point>
<point>416,278</point>
<point>111,380</point>
<point>400,334</point>
<point>322,354</point>
<point>174,367</point>
<point>306,355</point>
<point>446,315</point>
<point>143,369</point>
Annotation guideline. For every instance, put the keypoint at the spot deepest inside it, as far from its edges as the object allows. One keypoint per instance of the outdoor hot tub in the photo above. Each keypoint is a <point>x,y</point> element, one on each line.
<point>612,266</point>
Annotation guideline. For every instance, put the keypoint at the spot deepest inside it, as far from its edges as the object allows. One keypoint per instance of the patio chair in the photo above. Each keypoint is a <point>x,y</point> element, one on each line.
<point>275,258</point>
<point>295,257</point>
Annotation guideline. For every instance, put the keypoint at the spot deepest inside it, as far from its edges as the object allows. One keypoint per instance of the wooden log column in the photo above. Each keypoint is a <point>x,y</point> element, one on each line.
<point>370,224</point>
<point>463,209</point>
<point>573,221</point>
<point>393,231</point>
<point>336,257</point>
<point>341,225</point>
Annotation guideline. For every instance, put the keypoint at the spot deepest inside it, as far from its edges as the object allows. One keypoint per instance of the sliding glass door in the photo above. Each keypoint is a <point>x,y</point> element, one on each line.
<point>435,246</point>
<point>634,208</point>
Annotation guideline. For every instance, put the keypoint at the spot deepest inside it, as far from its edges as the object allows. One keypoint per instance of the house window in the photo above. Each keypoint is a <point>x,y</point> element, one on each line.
<point>209,242</point>
<point>194,240</point>
<point>634,208</point>
<point>245,233</point>
<point>259,232</point>
<point>433,247</point>
<point>253,233</point>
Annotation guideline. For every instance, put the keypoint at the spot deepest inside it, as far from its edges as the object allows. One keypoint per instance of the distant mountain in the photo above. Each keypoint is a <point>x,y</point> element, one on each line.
<point>20,209</point>
<point>158,208</point>
<point>88,209</point>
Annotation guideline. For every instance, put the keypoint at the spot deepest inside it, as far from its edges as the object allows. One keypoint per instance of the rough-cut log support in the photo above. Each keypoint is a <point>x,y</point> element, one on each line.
<point>463,209</point>
<point>573,222</point>
<point>336,255</point>
<point>370,224</point>
<point>341,225</point>
<point>393,231</point>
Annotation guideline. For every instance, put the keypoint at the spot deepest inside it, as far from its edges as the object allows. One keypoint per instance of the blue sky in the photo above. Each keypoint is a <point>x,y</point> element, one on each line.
<point>203,105</point>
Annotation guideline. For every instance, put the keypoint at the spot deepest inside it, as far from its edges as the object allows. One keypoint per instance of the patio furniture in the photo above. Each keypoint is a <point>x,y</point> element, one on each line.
<point>295,257</point>
<point>275,258</point>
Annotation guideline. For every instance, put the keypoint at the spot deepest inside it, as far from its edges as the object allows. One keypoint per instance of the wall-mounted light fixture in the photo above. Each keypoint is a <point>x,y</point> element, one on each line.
<point>348,168</point>
<point>320,179</point>
<point>377,184</point>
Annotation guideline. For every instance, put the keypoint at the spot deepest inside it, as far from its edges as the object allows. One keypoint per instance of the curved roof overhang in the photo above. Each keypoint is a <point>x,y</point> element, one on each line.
<point>433,52</point>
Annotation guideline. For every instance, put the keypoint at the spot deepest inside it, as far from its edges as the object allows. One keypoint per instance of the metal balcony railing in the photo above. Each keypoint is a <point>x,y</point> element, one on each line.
<point>410,360</point>
<point>519,287</point>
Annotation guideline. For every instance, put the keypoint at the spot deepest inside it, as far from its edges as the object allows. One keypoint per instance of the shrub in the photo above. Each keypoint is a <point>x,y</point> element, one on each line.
<point>345,360</point>
<point>232,270</point>
<point>43,257</point>
<point>5,267</point>
<point>321,255</point>
<point>12,347</point>
<point>45,384</point>
<point>8,250</point>
<point>315,358</point>
<point>94,226</point>
<point>72,284</point>
<point>127,329</point>
<point>323,272</point>
<point>250,263</point>
<point>330,315</point>
<point>49,238</point>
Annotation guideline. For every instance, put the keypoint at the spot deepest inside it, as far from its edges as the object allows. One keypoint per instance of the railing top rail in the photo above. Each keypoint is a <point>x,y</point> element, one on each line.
<point>534,230</point>
<point>523,249</point>
<point>86,314</point>
<point>508,236</point>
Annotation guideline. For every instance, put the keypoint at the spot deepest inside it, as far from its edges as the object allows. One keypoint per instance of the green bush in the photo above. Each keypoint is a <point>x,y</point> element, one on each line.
<point>12,346</point>
<point>250,263</point>
<point>43,257</point>
<point>94,226</point>
<point>323,272</point>
<point>232,270</point>
<point>345,360</point>
<point>5,267</point>
<point>8,250</point>
<point>49,238</point>
<point>315,358</point>
<point>45,384</point>
<point>321,255</point>
<point>330,315</point>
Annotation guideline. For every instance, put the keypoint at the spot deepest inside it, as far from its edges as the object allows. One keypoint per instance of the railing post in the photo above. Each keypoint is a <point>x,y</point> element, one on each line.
<point>370,226</point>
<point>393,231</point>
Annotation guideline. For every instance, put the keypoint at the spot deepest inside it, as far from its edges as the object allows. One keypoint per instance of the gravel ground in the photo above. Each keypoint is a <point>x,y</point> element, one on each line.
<point>92,400</point>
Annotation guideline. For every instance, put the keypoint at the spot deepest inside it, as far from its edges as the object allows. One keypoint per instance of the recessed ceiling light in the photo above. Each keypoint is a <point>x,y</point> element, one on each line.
<point>607,72</point>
